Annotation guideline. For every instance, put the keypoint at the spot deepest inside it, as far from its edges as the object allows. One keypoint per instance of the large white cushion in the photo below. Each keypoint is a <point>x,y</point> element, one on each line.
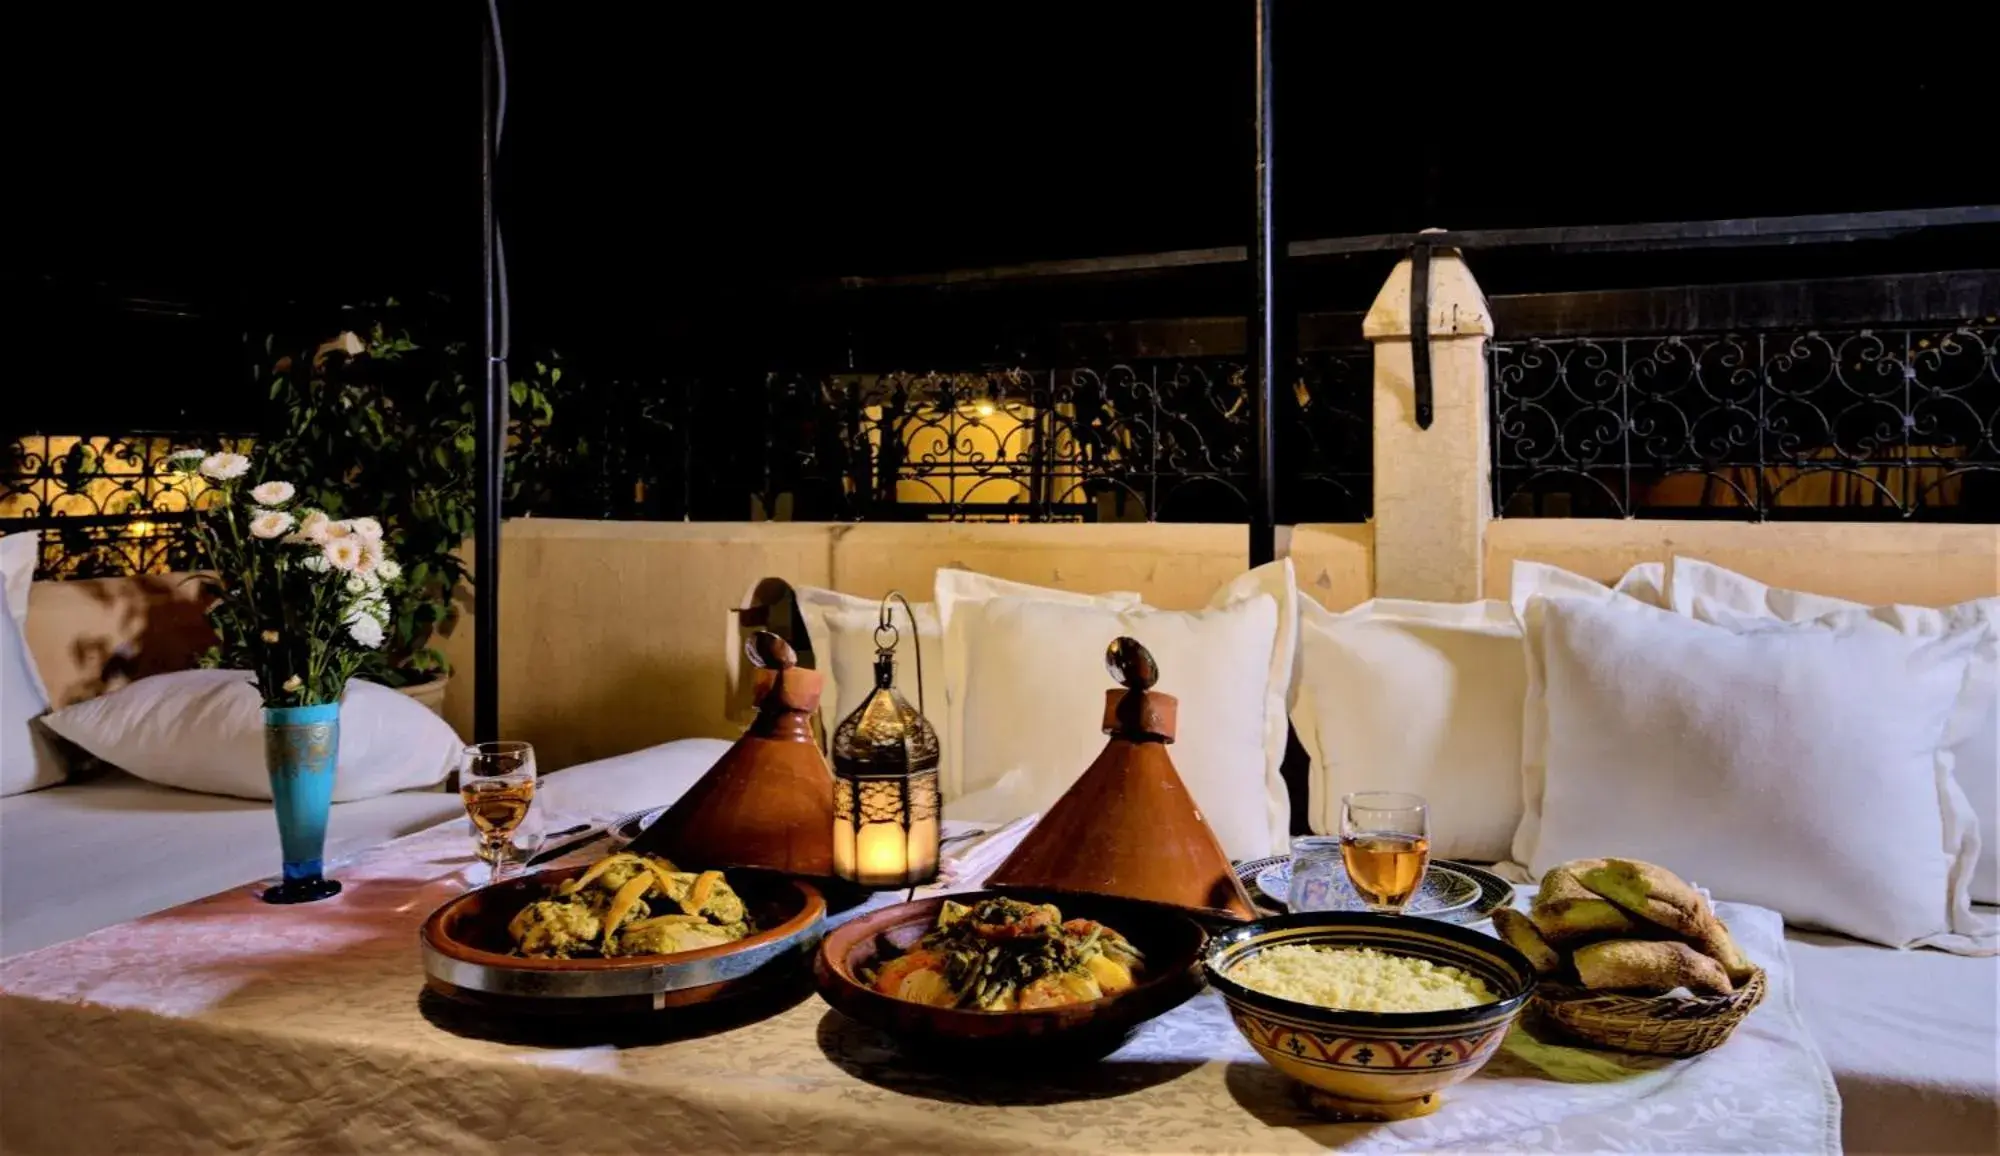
<point>1800,770</point>
<point>1416,696</point>
<point>1642,586</point>
<point>842,630</point>
<point>27,761</point>
<point>954,589</point>
<point>203,730</point>
<point>1025,680</point>
<point>1714,594</point>
<point>19,554</point>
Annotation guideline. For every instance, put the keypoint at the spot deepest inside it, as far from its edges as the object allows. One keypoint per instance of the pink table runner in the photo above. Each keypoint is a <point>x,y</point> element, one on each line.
<point>230,1024</point>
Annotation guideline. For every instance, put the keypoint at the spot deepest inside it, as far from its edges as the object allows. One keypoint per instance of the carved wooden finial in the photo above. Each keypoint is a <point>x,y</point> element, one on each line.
<point>769,652</point>
<point>1130,664</point>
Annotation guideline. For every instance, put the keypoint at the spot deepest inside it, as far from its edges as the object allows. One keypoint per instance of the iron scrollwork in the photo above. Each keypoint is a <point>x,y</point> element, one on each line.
<point>105,504</point>
<point>1875,422</point>
<point>1126,441</point>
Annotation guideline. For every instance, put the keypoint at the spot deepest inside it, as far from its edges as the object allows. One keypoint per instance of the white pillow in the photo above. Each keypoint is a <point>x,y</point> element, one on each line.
<point>1642,586</point>
<point>203,730</point>
<point>27,760</point>
<point>1802,770</point>
<point>19,555</point>
<point>1713,594</point>
<point>842,630</point>
<point>1416,696</point>
<point>1025,680</point>
<point>952,589</point>
<point>610,788</point>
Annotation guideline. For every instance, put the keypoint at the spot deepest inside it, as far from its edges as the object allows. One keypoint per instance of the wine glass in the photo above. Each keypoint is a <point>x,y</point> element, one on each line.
<point>497,783</point>
<point>1385,840</point>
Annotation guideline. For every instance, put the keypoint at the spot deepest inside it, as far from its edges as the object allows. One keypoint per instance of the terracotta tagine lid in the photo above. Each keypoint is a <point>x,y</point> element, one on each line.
<point>768,802</point>
<point>1128,828</point>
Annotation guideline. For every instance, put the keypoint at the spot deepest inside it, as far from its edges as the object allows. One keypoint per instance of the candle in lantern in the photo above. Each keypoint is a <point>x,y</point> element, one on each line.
<point>882,854</point>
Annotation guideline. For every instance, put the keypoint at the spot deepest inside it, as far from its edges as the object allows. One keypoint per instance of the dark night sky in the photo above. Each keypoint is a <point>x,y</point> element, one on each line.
<point>660,155</point>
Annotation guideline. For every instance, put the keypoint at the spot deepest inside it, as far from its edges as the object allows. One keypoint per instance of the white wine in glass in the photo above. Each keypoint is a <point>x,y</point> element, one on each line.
<point>1386,844</point>
<point>497,784</point>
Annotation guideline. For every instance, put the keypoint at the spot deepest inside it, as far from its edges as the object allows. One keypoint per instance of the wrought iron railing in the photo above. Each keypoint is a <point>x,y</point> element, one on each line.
<point>104,504</point>
<point>1854,424</point>
<point>1142,440</point>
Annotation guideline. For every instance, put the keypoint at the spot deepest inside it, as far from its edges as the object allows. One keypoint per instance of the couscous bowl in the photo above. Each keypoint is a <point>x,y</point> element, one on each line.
<point>1370,1064</point>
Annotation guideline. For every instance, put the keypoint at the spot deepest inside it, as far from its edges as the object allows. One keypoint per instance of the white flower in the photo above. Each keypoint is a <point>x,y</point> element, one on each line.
<point>315,563</point>
<point>186,461</point>
<point>372,554</point>
<point>367,529</point>
<point>269,523</point>
<point>366,631</point>
<point>341,529</point>
<point>388,570</point>
<point>343,554</point>
<point>270,636</point>
<point>225,467</point>
<point>357,585</point>
<point>272,493</point>
<point>293,684</point>
<point>312,527</point>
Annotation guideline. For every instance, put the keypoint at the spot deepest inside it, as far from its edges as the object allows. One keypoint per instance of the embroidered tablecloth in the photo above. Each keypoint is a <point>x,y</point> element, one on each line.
<point>231,1024</point>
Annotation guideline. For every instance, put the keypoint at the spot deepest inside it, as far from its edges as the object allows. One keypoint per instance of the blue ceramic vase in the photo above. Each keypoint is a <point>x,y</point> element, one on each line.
<point>301,746</point>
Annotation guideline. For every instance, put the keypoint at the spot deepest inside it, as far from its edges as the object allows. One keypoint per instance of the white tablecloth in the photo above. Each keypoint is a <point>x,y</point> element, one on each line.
<point>228,1023</point>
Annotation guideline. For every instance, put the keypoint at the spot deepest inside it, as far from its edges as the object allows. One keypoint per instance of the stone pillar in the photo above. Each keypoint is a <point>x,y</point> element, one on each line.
<point>1432,494</point>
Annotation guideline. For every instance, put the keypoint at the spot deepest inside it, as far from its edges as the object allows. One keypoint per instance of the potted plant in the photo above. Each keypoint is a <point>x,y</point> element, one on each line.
<point>384,422</point>
<point>302,601</point>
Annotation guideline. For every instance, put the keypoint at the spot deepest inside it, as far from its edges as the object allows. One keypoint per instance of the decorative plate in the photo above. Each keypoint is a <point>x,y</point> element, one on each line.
<point>1494,892</point>
<point>1443,891</point>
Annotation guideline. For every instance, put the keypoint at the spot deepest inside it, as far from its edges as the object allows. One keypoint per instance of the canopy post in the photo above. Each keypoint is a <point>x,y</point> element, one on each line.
<point>489,415</point>
<point>1267,326</point>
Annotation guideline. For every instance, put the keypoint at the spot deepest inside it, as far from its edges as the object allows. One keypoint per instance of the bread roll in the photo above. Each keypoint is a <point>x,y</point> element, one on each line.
<point>1652,893</point>
<point>1721,947</point>
<point>1519,931</point>
<point>1649,965</point>
<point>1565,911</point>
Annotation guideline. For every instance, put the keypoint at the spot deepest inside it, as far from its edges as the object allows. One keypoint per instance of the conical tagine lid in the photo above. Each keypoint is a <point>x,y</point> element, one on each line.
<point>1128,828</point>
<point>768,802</point>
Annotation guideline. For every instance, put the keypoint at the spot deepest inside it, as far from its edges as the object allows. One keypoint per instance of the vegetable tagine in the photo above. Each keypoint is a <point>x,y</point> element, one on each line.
<point>627,904</point>
<point>1006,955</point>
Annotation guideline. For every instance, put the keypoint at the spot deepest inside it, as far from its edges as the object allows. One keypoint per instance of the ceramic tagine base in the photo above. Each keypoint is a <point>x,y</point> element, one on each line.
<point>1338,1108</point>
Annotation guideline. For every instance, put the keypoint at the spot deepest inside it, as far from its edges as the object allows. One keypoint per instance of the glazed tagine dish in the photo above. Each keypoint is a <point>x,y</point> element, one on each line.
<point>626,933</point>
<point>967,975</point>
<point>1374,1014</point>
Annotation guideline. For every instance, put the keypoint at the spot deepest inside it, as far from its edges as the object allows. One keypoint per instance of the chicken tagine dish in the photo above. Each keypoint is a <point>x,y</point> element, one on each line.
<point>626,904</point>
<point>1001,955</point>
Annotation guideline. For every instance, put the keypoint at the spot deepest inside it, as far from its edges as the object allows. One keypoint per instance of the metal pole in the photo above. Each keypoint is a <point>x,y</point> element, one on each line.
<point>1266,322</point>
<point>487,431</point>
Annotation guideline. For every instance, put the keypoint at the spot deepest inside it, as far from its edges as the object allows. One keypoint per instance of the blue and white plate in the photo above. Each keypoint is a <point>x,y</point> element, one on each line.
<point>1444,890</point>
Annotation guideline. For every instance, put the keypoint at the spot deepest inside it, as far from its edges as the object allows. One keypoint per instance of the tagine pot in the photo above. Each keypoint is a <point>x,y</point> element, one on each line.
<point>301,749</point>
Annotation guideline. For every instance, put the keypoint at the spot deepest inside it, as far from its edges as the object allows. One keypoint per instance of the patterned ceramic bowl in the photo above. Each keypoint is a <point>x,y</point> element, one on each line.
<point>1373,1065</point>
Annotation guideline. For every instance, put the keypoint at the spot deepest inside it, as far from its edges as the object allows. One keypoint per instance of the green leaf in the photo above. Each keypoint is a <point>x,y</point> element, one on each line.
<point>519,392</point>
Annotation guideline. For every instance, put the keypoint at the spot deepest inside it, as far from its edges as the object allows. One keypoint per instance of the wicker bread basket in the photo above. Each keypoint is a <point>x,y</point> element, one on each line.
<point>1655,1025</point>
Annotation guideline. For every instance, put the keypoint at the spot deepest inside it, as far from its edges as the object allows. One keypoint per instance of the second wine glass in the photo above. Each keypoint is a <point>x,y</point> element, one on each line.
<point>497,783</point>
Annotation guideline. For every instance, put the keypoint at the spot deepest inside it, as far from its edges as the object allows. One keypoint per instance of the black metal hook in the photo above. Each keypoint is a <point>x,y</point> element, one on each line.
<point>1420,329</point>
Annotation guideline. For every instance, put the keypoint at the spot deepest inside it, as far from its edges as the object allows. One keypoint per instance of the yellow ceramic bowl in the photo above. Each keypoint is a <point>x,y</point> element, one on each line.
<point>1373,1065</point>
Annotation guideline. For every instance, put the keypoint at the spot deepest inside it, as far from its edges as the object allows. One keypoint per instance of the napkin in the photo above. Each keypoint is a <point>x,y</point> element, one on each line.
<point>966,868</point>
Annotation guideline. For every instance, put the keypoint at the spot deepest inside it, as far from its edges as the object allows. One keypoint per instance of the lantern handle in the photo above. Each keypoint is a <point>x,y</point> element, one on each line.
<point>887,622</point>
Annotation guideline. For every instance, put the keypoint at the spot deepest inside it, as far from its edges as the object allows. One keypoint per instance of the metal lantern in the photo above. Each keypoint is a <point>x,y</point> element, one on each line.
<point>886,807</point>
